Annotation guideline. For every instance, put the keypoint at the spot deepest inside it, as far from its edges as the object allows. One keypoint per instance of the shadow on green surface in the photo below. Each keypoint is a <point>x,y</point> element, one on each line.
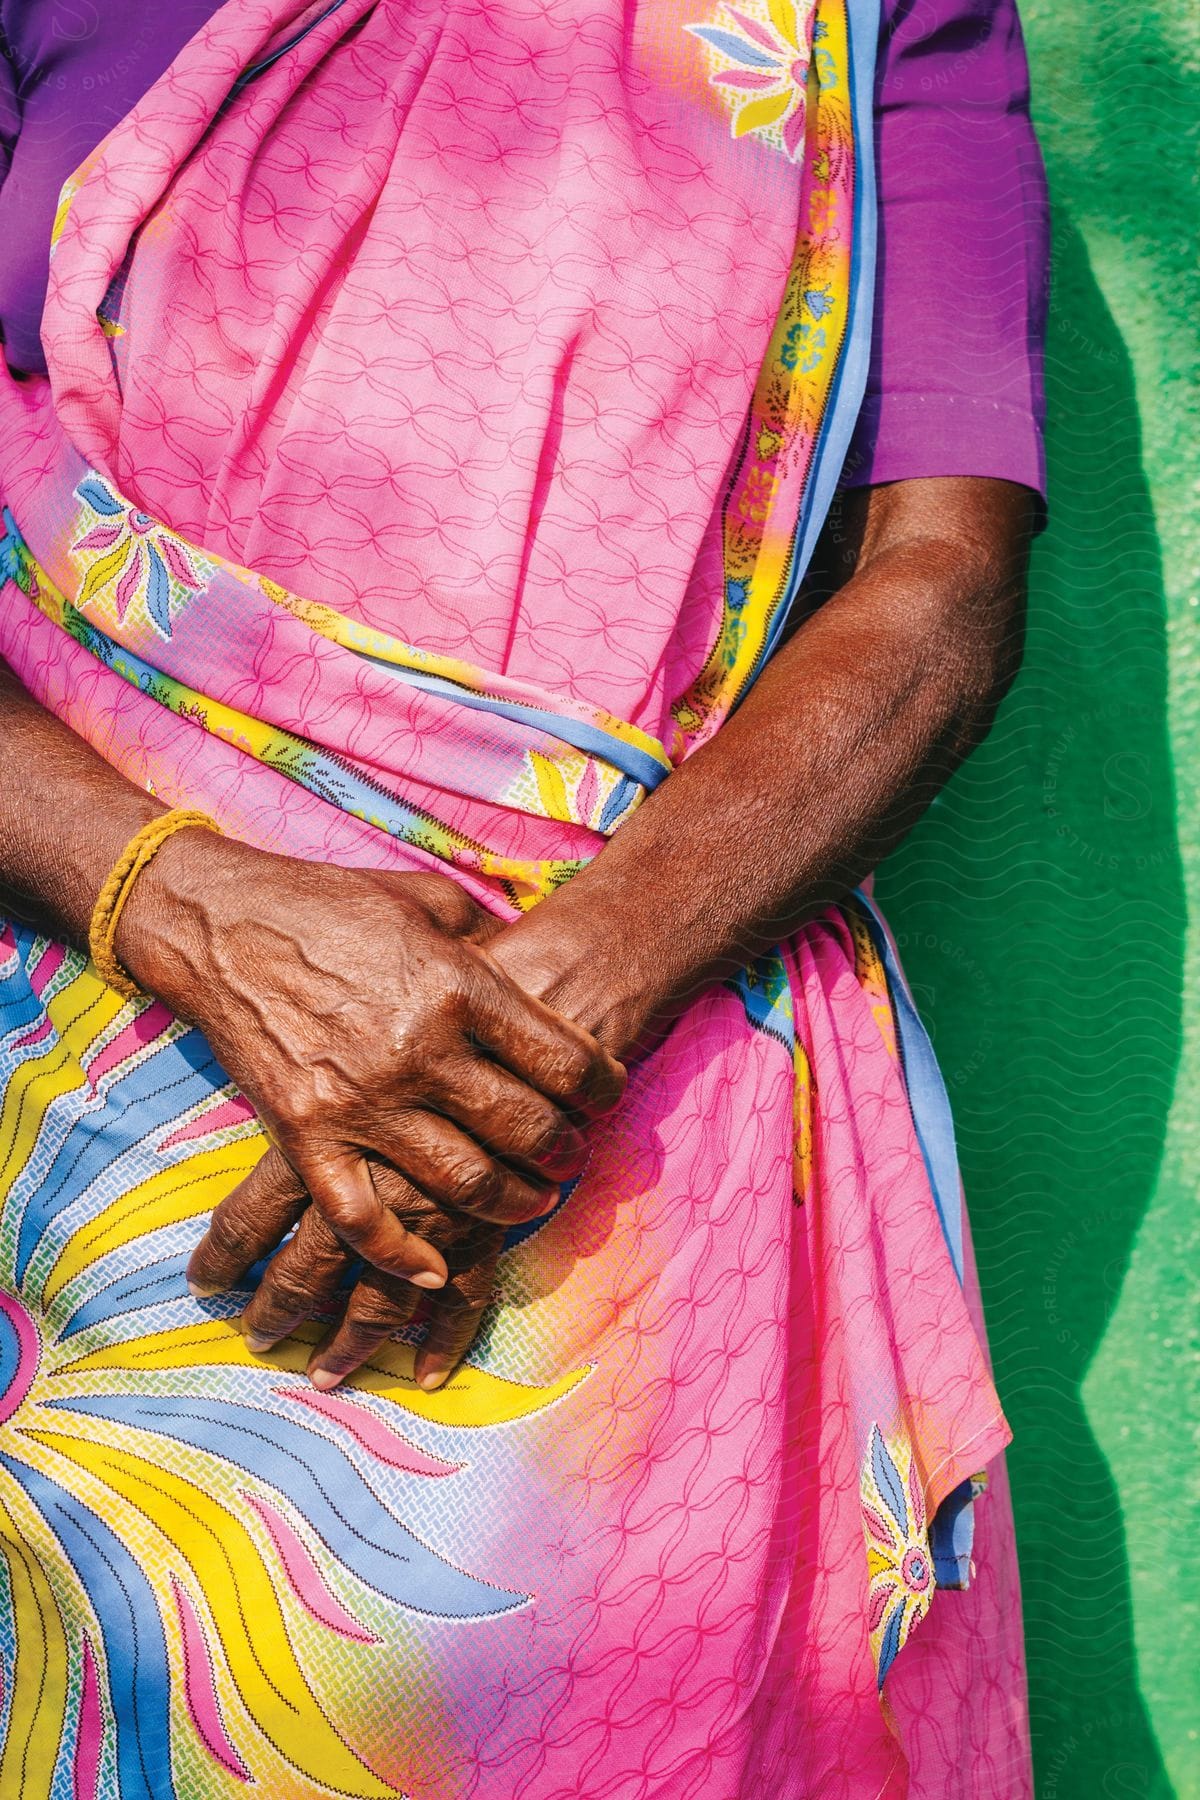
<point>1040,912</point>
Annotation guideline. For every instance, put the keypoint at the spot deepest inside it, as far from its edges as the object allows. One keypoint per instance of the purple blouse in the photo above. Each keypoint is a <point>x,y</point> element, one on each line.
<point>955,386</point>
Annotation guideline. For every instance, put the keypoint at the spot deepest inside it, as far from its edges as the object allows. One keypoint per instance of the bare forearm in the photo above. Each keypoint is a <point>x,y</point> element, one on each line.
<point>65,814</point>
<point>849,733</point>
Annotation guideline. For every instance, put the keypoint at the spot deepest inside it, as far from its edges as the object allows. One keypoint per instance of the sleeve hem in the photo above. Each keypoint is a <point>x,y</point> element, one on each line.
<point>906,436</point>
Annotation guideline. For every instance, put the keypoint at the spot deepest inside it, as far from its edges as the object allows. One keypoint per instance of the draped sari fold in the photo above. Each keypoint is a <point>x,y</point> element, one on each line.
<point>443,406</point>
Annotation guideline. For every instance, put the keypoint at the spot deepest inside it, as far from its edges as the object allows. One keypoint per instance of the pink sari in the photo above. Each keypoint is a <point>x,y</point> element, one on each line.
<point>443,405</point>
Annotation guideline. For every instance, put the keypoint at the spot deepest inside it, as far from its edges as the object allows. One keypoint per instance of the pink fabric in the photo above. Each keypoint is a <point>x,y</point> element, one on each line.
<point>452,321</point>
<point>458,352</point>
<point>86,1770</point>
<point>384,1445</point>
<point>976,1647</point>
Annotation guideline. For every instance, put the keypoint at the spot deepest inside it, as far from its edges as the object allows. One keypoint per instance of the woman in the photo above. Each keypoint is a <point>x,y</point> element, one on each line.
<point>442,409</point>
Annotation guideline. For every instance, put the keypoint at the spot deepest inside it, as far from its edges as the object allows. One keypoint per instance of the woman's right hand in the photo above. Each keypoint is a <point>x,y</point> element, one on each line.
<point>360,1014</point>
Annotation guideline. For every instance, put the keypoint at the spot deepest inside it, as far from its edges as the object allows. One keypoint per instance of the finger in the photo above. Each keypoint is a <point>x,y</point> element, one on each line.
<point>554,1055</point>
<point>442,1162</point>
<point>456,1311</point>
<point>341,1184</point>
<point>378,1306</point>
<point>511,1119</point>
<point>302,1278</point>
<point>247,1224</point>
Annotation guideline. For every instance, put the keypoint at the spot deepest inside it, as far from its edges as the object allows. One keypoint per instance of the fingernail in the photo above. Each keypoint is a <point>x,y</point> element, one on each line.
<point>257,1346</point>
<point>431,1379</point>
<point>323,1379</point>
<point>199,1291</point>
<point>427,1278</point>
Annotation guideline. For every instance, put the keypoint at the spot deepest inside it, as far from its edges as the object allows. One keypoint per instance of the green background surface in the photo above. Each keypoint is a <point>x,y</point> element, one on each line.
<point>1042,911</point>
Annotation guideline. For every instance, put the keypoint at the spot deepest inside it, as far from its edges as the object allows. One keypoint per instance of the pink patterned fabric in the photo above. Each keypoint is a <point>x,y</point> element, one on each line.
<point>454,321</point>
<point>461,352</point>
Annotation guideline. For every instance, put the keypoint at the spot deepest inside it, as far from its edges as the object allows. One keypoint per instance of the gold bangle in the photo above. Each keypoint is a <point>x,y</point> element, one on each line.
<point>116,890</point>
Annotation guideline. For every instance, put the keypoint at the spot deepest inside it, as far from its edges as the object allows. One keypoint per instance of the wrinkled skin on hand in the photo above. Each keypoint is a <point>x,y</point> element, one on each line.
<point>306,1276</point>
<point>412,1091</point>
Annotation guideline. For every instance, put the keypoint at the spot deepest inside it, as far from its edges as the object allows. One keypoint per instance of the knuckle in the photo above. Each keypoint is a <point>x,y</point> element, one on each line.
<point>372,1316</point>
<point>287,1290</point>
<point>231,1232</point>
<point>457,1322</point>
<point>316,1243</point>
<point>547,1136</point>
<point>396,1192</point>
<point>346,1215</point>
<point>450,1310</point>
<point>451,991</point>
<point>570,1069</point>
<point>300,1114</point>
<point>276,1177</point>
<point>475,1293</point>
<point>472,1263</point>
<point>455,908</point>
<point>472,1184</point>
<point>406,1034</point>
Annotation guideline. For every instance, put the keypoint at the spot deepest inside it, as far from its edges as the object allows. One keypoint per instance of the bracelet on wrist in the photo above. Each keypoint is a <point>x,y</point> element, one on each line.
<point>110,902</point>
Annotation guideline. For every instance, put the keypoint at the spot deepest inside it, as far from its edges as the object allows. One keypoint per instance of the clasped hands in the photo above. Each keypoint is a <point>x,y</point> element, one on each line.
<point>419,1100</point>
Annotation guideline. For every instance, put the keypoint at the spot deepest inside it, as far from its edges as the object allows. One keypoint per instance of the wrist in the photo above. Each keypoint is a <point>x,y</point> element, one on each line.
<point>586,964</point>
<point>165,936</point>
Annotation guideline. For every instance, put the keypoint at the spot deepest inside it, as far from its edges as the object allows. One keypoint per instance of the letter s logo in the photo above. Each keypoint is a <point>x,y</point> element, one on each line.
<point>1125,776</point>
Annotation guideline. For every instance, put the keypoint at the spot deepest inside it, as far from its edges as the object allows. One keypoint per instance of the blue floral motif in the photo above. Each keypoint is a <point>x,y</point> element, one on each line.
<point>16,564</point>
<point>803,347</point>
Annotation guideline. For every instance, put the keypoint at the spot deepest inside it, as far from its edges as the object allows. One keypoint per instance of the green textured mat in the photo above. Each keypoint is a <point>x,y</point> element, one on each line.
<point>1042,911</point>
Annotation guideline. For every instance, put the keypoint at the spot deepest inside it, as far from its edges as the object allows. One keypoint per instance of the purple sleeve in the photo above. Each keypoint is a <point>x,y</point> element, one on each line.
<point>70,70</point>
<point>10,110</point>
<point>955,384</point>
